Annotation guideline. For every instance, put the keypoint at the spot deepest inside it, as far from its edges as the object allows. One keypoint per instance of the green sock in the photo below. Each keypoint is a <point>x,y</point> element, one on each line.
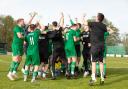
<point>97,68</point>
<point>69,67</point>
<point>73,65</point>
<point>35,73</point>
<point>26,72</point>
<point>105,68</point>
<point>16,66</point>
<point>12,66</point>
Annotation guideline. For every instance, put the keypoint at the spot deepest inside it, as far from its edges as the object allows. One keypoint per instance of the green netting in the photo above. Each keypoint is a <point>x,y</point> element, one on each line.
<point>3,48</point>
<point>116,50</point>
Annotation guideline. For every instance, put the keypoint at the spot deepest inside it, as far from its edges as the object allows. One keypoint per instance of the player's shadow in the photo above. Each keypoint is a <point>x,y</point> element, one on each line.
<point>119,73</point>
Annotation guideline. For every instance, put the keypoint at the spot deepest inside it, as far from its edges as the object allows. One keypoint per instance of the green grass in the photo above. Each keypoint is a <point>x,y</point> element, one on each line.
<point>117,78</point>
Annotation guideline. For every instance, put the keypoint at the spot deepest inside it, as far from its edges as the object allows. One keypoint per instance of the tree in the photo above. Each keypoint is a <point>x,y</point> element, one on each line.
<point>125,42</point>
<point>6,30</point>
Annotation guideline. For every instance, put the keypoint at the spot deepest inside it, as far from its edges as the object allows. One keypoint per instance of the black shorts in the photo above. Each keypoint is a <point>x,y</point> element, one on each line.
<point>78,52</point>
<point>43,53</point>
<point>59,52</point>
<point>97,52</point>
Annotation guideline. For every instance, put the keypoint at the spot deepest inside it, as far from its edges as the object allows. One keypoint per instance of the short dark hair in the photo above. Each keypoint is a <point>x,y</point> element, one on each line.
<point>100,17</point>
<point>54,23</point>
<point>79,25</point>
<point>46,27</point>
<point>32,26</point>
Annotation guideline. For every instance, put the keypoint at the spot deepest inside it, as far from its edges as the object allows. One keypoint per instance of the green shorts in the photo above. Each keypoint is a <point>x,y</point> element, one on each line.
<point>32,59</point>
<point>17,50</point>
<point>70,53</point>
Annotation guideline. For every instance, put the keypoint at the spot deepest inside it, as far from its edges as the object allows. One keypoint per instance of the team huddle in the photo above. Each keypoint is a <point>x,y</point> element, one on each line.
<point>46,46</point>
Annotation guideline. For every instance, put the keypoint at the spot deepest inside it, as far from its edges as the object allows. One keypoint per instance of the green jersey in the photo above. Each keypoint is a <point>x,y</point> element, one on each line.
<point>78,32</point>
<point>32,41</point>
<point>69,39</point>
<point>106,34</point>
<point>16,39</point>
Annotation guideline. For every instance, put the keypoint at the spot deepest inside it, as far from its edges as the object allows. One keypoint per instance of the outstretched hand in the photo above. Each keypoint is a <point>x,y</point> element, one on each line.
<point>33,14</point>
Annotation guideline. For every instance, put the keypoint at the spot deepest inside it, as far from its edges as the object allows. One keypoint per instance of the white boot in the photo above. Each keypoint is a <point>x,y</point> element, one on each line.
<point>10,77</point>
<point>86,73</point>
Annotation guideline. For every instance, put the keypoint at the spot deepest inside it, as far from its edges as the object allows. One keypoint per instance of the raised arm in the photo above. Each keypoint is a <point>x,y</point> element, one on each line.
<point>71,21</point>
<point>76,20</point>
<point>32,17</point>
<point>61,23</point>
<point>84,20</point>
<point>110,30</point>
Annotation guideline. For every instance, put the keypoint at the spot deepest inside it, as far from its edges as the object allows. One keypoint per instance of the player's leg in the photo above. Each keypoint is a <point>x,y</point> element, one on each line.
<point>17,52</point>
<point>73,57</point>
<point>78,52</point>
<point>52,61</point>
<point>17,60</point>
<point>67,52</point>
<point>45,68</point>
<point>105,67</point>
<point>68,75</point>
<point>86,65</point>
<point>26,72</point>
<point>104,61</point>
<point>94,53</point>
<point>101,55</point>
<point>12,65</point>
<point>62,56</point>
<point>40,69</point>
<point>36,63</point>
<point>35,73</point>
<point>28,62</point>
<point>25,51</point>
<point>42,58</point>
<point>73,64</point>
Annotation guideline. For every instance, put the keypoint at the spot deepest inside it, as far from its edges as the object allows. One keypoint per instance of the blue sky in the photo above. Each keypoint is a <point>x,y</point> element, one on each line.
<point>114,10</point>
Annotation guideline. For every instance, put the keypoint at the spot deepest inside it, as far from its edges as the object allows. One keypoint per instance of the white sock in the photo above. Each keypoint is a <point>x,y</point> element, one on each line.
<point>39,73</point>
<point>44,75</point>
<point>102,75</point>
<point>14,72</point>
<point>31,68</point>
<point>93,76</point>
<point>33,78</point>
<point>72,72</point>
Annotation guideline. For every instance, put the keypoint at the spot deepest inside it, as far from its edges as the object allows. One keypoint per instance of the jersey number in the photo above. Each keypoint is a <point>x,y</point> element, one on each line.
<point>31,41</point>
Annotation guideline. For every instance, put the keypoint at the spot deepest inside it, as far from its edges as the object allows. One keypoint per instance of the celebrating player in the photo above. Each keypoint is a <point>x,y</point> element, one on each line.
<point>77,43</point>
<point>32,51</point>
<point>58,44</point>
<point>17,48</point>
<point>85,37</point>
<point>70,39</point>
<point>97,46</point>
<point>43,52</point>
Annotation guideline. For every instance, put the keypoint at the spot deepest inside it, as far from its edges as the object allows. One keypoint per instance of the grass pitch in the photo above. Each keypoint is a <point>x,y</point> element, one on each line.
<point>117,77</point>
